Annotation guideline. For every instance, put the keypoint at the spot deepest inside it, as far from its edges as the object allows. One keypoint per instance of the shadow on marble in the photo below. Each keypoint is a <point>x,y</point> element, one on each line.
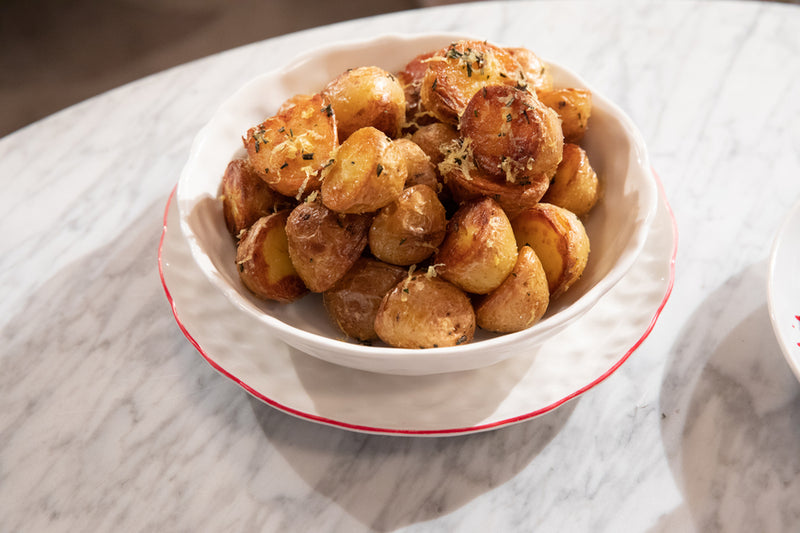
<point>731,416</point>
<point>388,482</point>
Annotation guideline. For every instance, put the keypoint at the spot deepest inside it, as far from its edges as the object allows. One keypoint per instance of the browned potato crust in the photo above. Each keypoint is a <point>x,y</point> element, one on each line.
<point>368,173</point>
<point>353,301</point>
<point>513,134</point>
<point>574,107</point>
<point>246,198</point>
<point>575,186</point>
<point>289,150</point>
<point>323,245</point>
<point>418,165</point>
<point>409,229</point>
<point>520,301</point>
<point>411,79</point>
<point>367,96</point>
<point>457,72</point>
<point>425,312</point>
<point>537,73</point>
<point>432,137</point>
<point>479,250</point>
<point>263,259</point>
<point>559,240</point>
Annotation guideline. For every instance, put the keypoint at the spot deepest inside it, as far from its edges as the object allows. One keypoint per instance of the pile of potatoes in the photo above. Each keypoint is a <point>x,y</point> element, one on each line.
<point>423,203</point>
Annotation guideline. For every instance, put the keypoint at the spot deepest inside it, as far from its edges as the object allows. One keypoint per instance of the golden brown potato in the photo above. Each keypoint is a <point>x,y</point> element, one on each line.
<point>457,72</point>
<point>323,245</point>
<point>263,260</point>
<point>246,198</point>
<point>289,150</point>
<point>520,301</point>
<point>537,73</point>
<point>432,137</point>
<point>479,250</point>
<point>418,165</point>
<point>574,107</point>
<point>513,134</point>
<point>367,96</point>
<point>575,186</point>
<point>425,311</point>
<point>409,229</point>
<point>411,79</point>
<point>465,182</point>
<point>559,240</point>
<point>368,173</point>
<point>353,301</point>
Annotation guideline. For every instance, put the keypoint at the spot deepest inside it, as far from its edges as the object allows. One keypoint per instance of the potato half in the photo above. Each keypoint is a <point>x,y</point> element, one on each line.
<point>520,301</point>
<point>368,173</point>
<point>424,311</point>
<point>575,186</point>
<point>479,250</point>
<point>289,150</point>
<point>559,240</point>
<point>323,245</point>
<point>353,301</point>
<point>246,198</point>
<point>367,96</point>
<point>262,257</point>
<point>409,229</point>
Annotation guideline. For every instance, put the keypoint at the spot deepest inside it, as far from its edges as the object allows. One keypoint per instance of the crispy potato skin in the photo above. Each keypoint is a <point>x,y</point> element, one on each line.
<point>289,150</point>
<point>457,72</point>
<point>574,107</point>
<point>368,173</point>
<point>411,79</point>
<point>425,312</point>
<point>537,73</point>
<point>265,267</point>
<point>575,186</point>
<point>323,244</point>
<point>246,198</point>
<point>419,168</point>
<point>479,250</point>
<point>513,135</point>
<point>409,229</point>
<point>520,301</point>
<point>559,240</point>
<point>353,301</point>
<point>367,96</point>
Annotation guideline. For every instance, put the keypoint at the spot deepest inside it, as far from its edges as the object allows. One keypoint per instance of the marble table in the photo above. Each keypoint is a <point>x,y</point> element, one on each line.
<point>110,419</point>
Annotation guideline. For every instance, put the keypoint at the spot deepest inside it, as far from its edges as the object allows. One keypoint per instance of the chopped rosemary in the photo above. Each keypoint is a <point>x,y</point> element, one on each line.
<point>380,169</point>
<point>308,156</point>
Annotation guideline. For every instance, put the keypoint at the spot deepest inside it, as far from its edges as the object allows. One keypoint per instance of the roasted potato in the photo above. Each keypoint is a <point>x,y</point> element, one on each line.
<point>353,301</point>
<point>512,134</point>
<point>289,150</point>
<point>433,137</point>
<point>409,229</point>
<point>411,79</point>
<point>537,73</point>
<point>323,244</point>
<point>367,173</point>
<point>246,198</point>
<point>520,301</point>
<point>479,249</point>
<point>559,240</point>
<point>466,182</point>
<point>575,186</point>
<point>262,257</point>
<point>418,165</point>
<point>574,107</point>
<point>424,311</point>
<point>367,96</point>
<point>457,72</point>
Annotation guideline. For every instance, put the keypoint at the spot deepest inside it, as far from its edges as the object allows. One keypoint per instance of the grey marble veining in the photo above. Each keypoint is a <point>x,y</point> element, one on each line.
<point>110,420</point>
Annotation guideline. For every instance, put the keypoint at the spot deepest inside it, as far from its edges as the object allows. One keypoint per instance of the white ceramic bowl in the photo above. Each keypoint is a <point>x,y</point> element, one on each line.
<point>617,226</point>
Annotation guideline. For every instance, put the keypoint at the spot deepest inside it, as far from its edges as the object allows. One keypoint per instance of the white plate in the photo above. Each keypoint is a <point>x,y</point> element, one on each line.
<point>520,388</point>
<point>617,227</point>
<point>783,288</point>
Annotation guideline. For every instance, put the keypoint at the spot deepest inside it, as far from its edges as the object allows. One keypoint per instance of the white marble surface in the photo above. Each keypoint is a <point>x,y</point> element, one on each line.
<point>110,420</point>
